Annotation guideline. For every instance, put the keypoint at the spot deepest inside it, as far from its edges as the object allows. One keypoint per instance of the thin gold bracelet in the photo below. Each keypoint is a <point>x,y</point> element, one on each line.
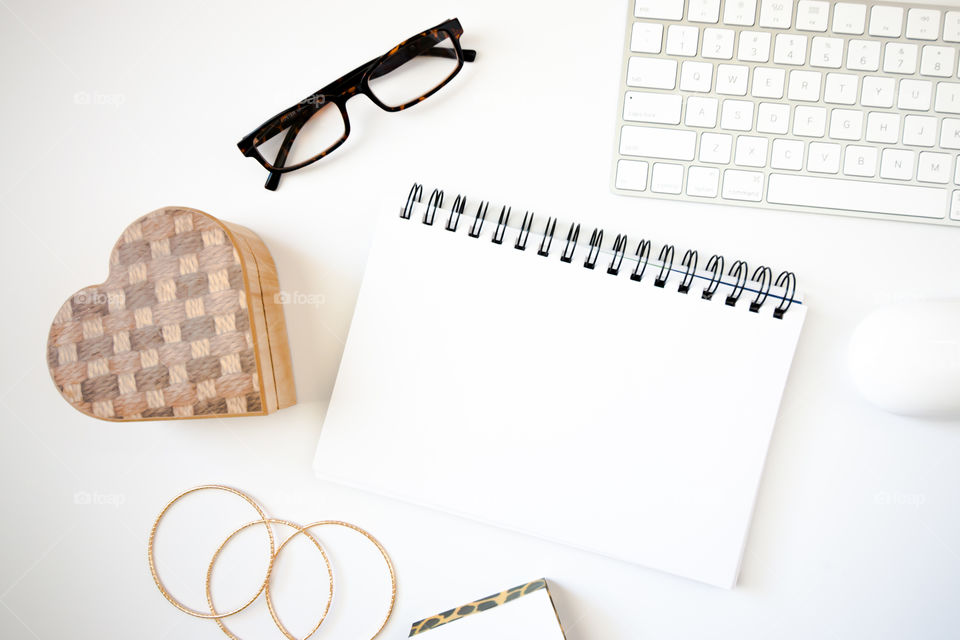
<point>276,619</point>
<point>153,568</point>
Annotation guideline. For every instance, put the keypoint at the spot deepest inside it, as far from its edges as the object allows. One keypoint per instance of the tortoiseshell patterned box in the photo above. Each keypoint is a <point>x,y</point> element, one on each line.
<point>525,612</point>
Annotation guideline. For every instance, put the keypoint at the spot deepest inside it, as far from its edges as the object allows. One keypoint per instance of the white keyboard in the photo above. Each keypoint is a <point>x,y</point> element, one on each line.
<point>834,107</point>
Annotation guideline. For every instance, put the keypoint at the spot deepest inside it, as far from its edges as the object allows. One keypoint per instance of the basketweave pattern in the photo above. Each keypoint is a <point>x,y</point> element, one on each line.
<point>168,334</point>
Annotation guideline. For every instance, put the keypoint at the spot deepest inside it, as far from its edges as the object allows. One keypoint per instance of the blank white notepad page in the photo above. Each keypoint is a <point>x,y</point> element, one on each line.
<point>555,400</point>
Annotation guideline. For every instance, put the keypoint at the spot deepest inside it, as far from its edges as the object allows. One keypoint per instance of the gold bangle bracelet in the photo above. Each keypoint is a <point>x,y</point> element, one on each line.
<point>383,552</point>
<point>153,568</point>
<point>276,619</point>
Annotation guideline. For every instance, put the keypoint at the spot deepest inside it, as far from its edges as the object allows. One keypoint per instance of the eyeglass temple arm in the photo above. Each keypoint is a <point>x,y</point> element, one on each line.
<point>273,181</point>
<point>469,55</point>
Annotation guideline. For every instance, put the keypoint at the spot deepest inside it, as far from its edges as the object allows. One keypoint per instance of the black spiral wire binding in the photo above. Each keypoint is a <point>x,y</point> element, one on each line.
<point>415,195</point>
<point>524,234</point>
<point>478,220</point>
<point>763,276</point>
<point>643,257</point>
<point>572,236</point>
<point>788,282</point>
<point>619,251</point>
<point>738,270</point>
<point>715,266</point>
<point>435,201</point>
<point>501,225</point>
<point>596,239</point>
<point>666,254</point>
<point>690,262</point>
<point>547,239</point>
<point>458,206</point>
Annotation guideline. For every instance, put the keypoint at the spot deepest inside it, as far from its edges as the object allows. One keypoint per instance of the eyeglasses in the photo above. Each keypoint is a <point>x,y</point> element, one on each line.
<point>409,73</point>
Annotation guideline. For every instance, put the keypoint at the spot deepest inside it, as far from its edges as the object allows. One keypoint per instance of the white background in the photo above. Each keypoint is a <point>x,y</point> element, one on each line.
<point>113,109</point>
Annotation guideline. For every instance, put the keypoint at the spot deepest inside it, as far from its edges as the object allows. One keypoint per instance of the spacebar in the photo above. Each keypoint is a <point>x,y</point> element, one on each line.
<point>856,195</point>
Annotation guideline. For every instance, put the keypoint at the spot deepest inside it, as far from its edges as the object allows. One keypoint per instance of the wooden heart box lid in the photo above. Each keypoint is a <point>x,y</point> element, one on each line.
<point>187,325</point>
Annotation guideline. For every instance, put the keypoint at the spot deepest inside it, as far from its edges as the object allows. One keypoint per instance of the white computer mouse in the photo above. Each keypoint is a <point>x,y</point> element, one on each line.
<point>905,358</point>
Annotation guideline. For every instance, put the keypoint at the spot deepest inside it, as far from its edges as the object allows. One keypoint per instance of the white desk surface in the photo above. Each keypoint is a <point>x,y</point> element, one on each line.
<point>114,109</point>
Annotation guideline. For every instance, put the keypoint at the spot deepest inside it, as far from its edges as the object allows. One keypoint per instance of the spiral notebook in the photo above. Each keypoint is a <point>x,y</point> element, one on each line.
<point>588,388</point>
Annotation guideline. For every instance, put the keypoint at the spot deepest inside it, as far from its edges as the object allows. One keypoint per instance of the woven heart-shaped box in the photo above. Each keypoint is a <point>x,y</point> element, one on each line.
<point>187,325</point>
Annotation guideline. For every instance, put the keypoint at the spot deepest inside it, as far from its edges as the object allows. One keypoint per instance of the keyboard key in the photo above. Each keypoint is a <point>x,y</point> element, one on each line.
<point>669,144</point>
<point>696,76</point>
<point>900,58</point>
<point>896,164</point>
<point>787,154</point>
<point>703,182</point>
<point>736,115</point>
<point>948,98</point>
<point>823,157</point>
<point>804,85</point>
<point>718,43</point>
<point>886,22</point>
<point>914,95</point>
<point>849,18</point>
<point>934,167</point>
<point>701,112</point>
<point>860,161</point>
<point>740,13</point>
<point>655,108</point>
<point>883,127</point>
<point>920,131</point>
<point>923,24</point>
<point>659,9</point>
<point>863,55</point>
<point>776,14</point>
<point>652,73</point>
<point>826,52</point>
<point>751,152</point>
<point>647,37</point>
<point>878,92</point>
<point>812,15</point>
<point>666,178</point>
<point>754,46</point>
<point>768,82</point>
<point>742,185</point>
<point>856,195</point>
<point>950,135</point>
<point>841,88</point>
<point>790,49</point>
<point>704,11</point>
<point>715,148</point>
<point>846,124</point>
<point>631,174</point>
<point>773,118</point>
<point>809,121</point>
<point>682,40</point>
<point>955,206</point>
<point>937,61</point>
<point>951,26</point>
<point>732,79</point>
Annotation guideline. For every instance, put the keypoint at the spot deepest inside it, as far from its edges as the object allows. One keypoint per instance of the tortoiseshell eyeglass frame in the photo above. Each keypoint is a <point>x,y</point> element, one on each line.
<point>341,90</point>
